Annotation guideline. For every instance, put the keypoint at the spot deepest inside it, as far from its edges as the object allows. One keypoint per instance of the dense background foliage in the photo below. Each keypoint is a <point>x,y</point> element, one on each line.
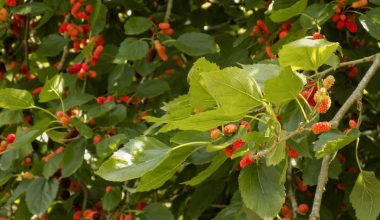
<point>152,109</point>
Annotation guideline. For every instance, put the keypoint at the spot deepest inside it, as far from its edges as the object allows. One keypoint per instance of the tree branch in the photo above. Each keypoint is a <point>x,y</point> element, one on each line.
<point>265,152</point>
<point>357,93</point>
<point>85,196</point>
<point>168,12</point>
<point>26,36</point>
<point>345,64</point>
<point>291,195</point>
<point>65,53</point>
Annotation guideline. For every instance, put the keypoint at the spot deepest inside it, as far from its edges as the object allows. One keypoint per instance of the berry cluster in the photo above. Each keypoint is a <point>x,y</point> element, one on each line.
<point>230,129</point>
<point>76,6</point>
<point>122,99</point>
<point>81,70</point>
<point>165,28</point>
<point>345,20</point>
<point>309,93</point>
<point>292,153</point>
<point>236,145</point>
<point>321,127</point>
<point>300,184</point>
<point>285,27</point>
<point>261,30</point>
<point>79,34</point>
<point>6,144</point>
<point>161,50</point>
<point>64,118</point>
<point>319,97</point>
<point>286,212</point>
<point>247,160</point>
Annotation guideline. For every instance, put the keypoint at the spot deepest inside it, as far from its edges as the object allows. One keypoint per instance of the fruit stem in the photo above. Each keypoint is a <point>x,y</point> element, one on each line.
<point>356,154</point>
<point>44,110</point>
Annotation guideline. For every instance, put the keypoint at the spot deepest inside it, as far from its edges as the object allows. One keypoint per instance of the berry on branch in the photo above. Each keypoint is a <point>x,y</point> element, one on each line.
<point>321,127</point>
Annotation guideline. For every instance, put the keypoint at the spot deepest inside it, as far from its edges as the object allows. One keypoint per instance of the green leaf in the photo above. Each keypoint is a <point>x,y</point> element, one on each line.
<point>165,170</point>
<point>15,99</point>
<point>157,211</point>
<point>7,159</point>
<point>333,61</point>
<point>52,45</point>
<point>199,96</point>
<point>152,88</point>
<point>113,117</point>
<point>57,136</point>
<point>136,158</point>
<point>302,144</point>
<point>111,199</point>
<point>365,196</point>
<point>73,157</point>
<point>109,145</point>
<point>183,137</point>
<point>313,166</point>
<point>371,22</point>
<point>137,25</point>
<point>179,107</point>
<point>284,87</point>
<point>22,211</point>
<point>232,89</point>
<point>306,54</point>
<point>20,189</point>
<point>335,169</point>
<point>58,6</point>
<point>316,15</point>
<point>22,142</point>
<point>289,12</point>
<point>40,194</point>
<point>76,100</point>
<point>260,192</point>
<point>236,210</point>
<point>332,141</point>
<point>262,72</point>
<point>82,128</point>
<point>195,44</point>
<point>131,49</point>
<point>199,202</point>
<point>205,120</point>
<point>310,168</point>
<point>120,79</point>
<point>101,110</point>
<point>98,18</point>
<point>10,117</point>
<point>53,89</point>
<point>277,155</point>
<point>291,116</point>
<point>144,68</point>
<point>30,8</point>
<point>52,166</point>
<point>218,160</point>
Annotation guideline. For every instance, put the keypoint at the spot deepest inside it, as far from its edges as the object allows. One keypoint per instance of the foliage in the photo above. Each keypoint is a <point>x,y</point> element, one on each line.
<point>136,109</point>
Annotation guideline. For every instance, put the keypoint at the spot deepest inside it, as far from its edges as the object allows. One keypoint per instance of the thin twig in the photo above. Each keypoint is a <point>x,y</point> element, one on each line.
<point>291,195</point>
<point>26,47</point>
<point>218,206</point>
<point>65,53</point>
<point>356,94</point>
<point>85,196</point>
<point>345,64</point>
<point>168,12</point>
<point>265,152</point>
